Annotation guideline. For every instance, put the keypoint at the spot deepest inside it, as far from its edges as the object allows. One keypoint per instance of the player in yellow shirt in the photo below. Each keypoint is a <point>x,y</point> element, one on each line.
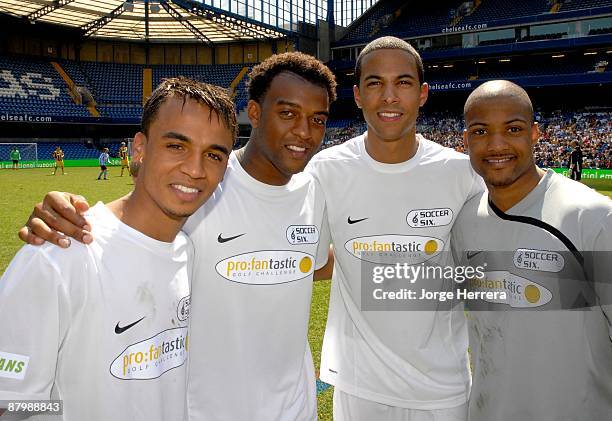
<point>58,155</point>
<point>125,158</point>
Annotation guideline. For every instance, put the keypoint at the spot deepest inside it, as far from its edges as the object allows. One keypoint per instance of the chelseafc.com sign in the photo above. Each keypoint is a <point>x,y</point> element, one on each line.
<point>266,267</point>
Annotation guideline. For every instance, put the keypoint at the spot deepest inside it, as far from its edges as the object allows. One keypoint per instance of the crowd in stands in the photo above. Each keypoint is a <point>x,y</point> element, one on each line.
<point>558,130</point>
<point>593,131</point>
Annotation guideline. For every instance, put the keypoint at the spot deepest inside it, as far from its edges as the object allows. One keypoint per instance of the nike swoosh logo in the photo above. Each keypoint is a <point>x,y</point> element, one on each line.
<point>119,330</point>
<point>225,240</point>
<point>354,221</point>
<point>471,254</point>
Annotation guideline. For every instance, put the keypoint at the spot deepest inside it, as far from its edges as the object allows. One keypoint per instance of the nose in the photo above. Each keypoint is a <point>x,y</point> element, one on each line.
<point>194,166</point>
<point>302,128</point>
<point>389,93</point>
<point>497,141</point>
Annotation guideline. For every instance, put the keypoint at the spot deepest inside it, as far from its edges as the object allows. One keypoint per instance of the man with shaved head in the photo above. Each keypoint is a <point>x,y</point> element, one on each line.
<point>541,345</point>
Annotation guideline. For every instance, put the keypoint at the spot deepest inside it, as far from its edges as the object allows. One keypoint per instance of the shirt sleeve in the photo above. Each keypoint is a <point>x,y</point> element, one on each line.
<point>602,268</point>
<point>324,242</point>
<point>478,185</point>
<point>34,312</point>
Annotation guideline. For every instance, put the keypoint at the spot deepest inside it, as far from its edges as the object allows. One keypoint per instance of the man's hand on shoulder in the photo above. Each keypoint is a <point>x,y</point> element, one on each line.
<point>57,219</point>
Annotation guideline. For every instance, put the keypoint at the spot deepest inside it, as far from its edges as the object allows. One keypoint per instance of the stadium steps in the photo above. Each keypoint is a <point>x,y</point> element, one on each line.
<point>236,81</point>
<point>147,84</point>
<point>73,91</point>
<point>93,110</point>
<point>555,7</point>
<point>456,20</point>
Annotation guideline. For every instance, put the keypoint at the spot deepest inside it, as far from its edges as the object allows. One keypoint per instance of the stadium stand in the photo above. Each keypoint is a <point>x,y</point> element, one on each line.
<point>428,18</point>
<point>600,31</point>
<point>497,41</point>
<point>567,5</point>
<point>30,85</point>
<point>558,35</point>
<point>242,96</point>
<point>558,130</point>
<point>114,83</point>
<point>381,13</point>
<point>493,10</point>
<point>220,74</point>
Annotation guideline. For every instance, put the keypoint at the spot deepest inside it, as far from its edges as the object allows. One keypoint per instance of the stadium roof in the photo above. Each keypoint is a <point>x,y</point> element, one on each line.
<point>145,20</point>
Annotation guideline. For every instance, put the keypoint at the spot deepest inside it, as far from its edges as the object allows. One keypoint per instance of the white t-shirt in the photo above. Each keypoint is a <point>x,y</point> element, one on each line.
<point>102,327</point>
<point>410,359</point>
<point>256,247</point>
<point>540,353</point>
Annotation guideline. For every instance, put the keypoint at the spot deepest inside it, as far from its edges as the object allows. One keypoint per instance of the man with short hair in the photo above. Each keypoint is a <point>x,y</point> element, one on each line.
<point>392,197</point>
<point>15,157</point>
<point>256,250</point>
<point>541,347</point>
<point>111,341</point>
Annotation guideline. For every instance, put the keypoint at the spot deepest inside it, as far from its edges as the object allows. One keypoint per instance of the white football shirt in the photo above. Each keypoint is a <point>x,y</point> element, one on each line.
<point>542,352</point>
<point>410,359</point>
<point>256,247</point>
<point>103,327</point>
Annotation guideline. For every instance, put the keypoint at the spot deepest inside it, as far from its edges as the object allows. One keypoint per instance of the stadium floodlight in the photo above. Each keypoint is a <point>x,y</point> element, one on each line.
<point>28,152</point>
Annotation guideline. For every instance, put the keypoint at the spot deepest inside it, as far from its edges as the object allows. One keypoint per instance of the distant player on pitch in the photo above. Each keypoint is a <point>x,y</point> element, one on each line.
<point>110,340</point>
<point>103,160</point>
<point>125,158</point>
<point>15,157</point>
<point>58,155</point>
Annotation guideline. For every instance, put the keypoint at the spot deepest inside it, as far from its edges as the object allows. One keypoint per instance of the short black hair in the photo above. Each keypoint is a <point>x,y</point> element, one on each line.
<point>301,64</point>
<point>390,43</point>
<point>214,97</point>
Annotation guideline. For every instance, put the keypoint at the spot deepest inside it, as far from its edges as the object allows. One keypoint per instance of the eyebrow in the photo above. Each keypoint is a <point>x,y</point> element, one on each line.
<point>293,104</point>
<point>183,138</point>
<point>478,123</point>
<point>177,136</point>
<point>402,76</point>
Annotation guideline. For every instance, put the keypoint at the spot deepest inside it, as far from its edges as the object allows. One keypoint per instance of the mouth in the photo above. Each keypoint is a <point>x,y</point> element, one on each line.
<point>499,161</point>
<point>389,116</point>
<point>297,151</point>
<point>186,193</point>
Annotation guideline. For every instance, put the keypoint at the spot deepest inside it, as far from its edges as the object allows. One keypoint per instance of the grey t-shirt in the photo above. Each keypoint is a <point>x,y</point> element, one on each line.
<point>542,352</point>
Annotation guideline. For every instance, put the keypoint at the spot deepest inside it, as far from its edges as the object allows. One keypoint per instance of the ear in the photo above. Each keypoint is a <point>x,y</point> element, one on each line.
<point>466,143</point>
<point>357,96</point>
<point>254,112</point>
<point>424,94</point>
<point>535,133</point>
<point>139,146</point>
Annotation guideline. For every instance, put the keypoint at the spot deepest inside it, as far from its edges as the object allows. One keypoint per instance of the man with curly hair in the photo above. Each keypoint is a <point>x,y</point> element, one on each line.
<point>256,246</point>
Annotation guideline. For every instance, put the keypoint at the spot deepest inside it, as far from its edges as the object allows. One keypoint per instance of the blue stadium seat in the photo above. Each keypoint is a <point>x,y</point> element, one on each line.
<point>30,85</point>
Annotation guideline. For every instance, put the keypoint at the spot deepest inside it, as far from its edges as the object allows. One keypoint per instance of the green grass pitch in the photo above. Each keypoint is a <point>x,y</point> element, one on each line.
<point>21,189</point>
